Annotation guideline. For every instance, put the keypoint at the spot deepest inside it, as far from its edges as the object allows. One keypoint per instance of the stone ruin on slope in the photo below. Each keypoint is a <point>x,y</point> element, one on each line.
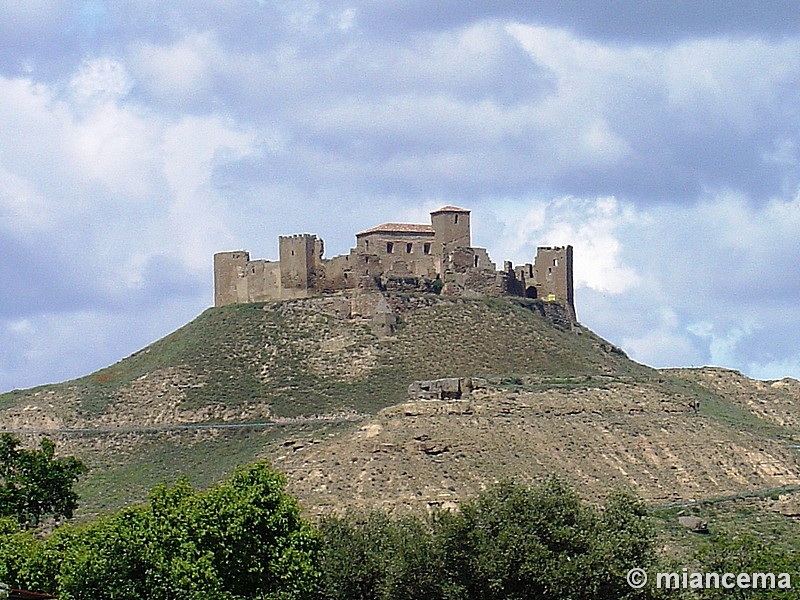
<point>394,257</point>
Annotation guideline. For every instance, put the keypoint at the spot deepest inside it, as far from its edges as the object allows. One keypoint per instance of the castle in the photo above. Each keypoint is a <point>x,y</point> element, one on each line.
<point>436,258</point>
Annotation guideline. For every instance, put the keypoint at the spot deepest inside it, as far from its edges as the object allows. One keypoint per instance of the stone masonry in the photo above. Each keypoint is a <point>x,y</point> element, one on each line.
<point>398,257</point>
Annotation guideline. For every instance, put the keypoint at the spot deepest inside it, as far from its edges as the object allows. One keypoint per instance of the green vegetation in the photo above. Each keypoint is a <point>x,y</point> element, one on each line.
<point>300,359</point>
<point>246,539</point>
<point>511,542</point>
<point>738,516</point>
<point>303,361</point>
<point>243,539</point>
<point>34,485</point>
<point>115,480</point>
<point>722,410</point>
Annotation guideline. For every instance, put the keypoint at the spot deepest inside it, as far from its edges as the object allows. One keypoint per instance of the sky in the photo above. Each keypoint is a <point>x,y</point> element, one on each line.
<point>660,139</point>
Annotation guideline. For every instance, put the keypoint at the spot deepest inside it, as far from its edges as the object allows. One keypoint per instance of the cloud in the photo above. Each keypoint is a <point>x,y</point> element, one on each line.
<point>592,226</point>
<point>662,143</point>
<point>662,339</point>
<point>179,74</point>
<point>679,119</point>
<point>107,189</point>
<point>619,21</point>
<point>100,80</point>
<point>711,284</point>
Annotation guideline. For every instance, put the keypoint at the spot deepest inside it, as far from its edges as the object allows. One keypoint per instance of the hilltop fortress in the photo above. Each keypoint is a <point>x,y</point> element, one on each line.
<point>436,258</point>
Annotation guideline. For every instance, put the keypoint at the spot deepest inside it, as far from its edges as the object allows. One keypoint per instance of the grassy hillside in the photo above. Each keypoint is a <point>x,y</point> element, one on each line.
<point>301,360</point>
<point>558,398</point>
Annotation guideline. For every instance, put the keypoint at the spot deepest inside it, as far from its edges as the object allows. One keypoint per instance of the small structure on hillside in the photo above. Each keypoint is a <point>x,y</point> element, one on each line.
<point>394,257</point>
<point>448,388</point>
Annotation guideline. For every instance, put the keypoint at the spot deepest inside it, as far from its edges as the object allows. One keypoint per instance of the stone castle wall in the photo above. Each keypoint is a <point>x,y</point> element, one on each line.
<point>398,256</point>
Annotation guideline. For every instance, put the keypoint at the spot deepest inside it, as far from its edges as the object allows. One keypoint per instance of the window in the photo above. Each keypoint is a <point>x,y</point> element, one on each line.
<point>476,261</point>
<point>408,248</point>
<point>389,247</point>
<point>366,244</point>
<point>555,262</point>
<point>426,248</point>
<point>456,220</point>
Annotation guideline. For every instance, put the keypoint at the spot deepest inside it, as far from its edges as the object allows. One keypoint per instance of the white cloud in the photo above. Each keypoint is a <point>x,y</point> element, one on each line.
<point>22,207</point>
<point>730,79</point>
<point>777,369</point>
<point>197,217</point>
<point>163,134</point>
<point>117,184</point>
<point>592,226</point>
<point>663,341</point>
<point>723,346</point>
<point>181,72</point>
<point>102,79</point>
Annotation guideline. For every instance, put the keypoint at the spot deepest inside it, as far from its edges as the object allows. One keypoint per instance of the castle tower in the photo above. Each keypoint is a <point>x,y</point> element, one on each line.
<point>451,228</point>
<point>553,275</point>
<point>230,281</point>
<point>298,264</point>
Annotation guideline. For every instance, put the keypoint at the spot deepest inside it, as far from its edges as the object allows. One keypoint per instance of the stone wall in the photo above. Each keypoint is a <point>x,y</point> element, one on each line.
<point>230,286</point>
<point>452,229</point>
<point>298,264</point>
<point>395,257</point>
<point>553,275</point>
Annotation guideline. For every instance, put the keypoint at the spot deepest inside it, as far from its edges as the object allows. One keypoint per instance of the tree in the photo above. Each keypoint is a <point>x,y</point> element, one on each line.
<point>34,485</point>
<point>377,557</point>
<point>242,539</point>
<point>734,552</point>
<point>513,542</point>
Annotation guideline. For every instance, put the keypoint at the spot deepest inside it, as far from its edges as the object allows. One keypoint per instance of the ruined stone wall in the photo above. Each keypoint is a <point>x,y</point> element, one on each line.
<point>470,272</point>
<point>397,257</point>
<point>336,274</point>
<point>298,264</point>
<point>263,280</point>
<point>401,254</point>
<point>553,275</point>
<point>230,284</point>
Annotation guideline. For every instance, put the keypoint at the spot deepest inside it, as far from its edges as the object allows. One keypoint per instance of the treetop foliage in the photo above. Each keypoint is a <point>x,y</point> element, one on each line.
<point>34,485</point>
<point>511,542</point>
<point>246,539</point>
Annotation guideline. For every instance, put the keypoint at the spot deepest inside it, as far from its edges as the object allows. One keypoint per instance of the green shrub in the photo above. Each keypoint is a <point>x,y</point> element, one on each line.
<point>242,539</point>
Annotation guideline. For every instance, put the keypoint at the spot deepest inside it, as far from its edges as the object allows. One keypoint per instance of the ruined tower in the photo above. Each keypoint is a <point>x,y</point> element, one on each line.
<point>451,229</point>
<point>299,262</point>
<point>552,272</point>
<point>230,283</point>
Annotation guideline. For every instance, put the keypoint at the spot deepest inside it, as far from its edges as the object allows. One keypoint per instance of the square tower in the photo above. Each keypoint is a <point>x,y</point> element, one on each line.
<point>298,259</point>
<point>451,229</point>
<point>553,275</point>
<point>230,282</point>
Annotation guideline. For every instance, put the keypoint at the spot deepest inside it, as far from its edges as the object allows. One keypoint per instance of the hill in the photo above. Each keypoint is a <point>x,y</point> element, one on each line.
<point>326,400</point>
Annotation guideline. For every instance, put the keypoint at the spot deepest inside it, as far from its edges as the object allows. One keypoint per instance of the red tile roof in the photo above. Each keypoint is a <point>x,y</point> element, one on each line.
<point>398,228</point>
<point>26,595</point>
<point>450,208</point>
